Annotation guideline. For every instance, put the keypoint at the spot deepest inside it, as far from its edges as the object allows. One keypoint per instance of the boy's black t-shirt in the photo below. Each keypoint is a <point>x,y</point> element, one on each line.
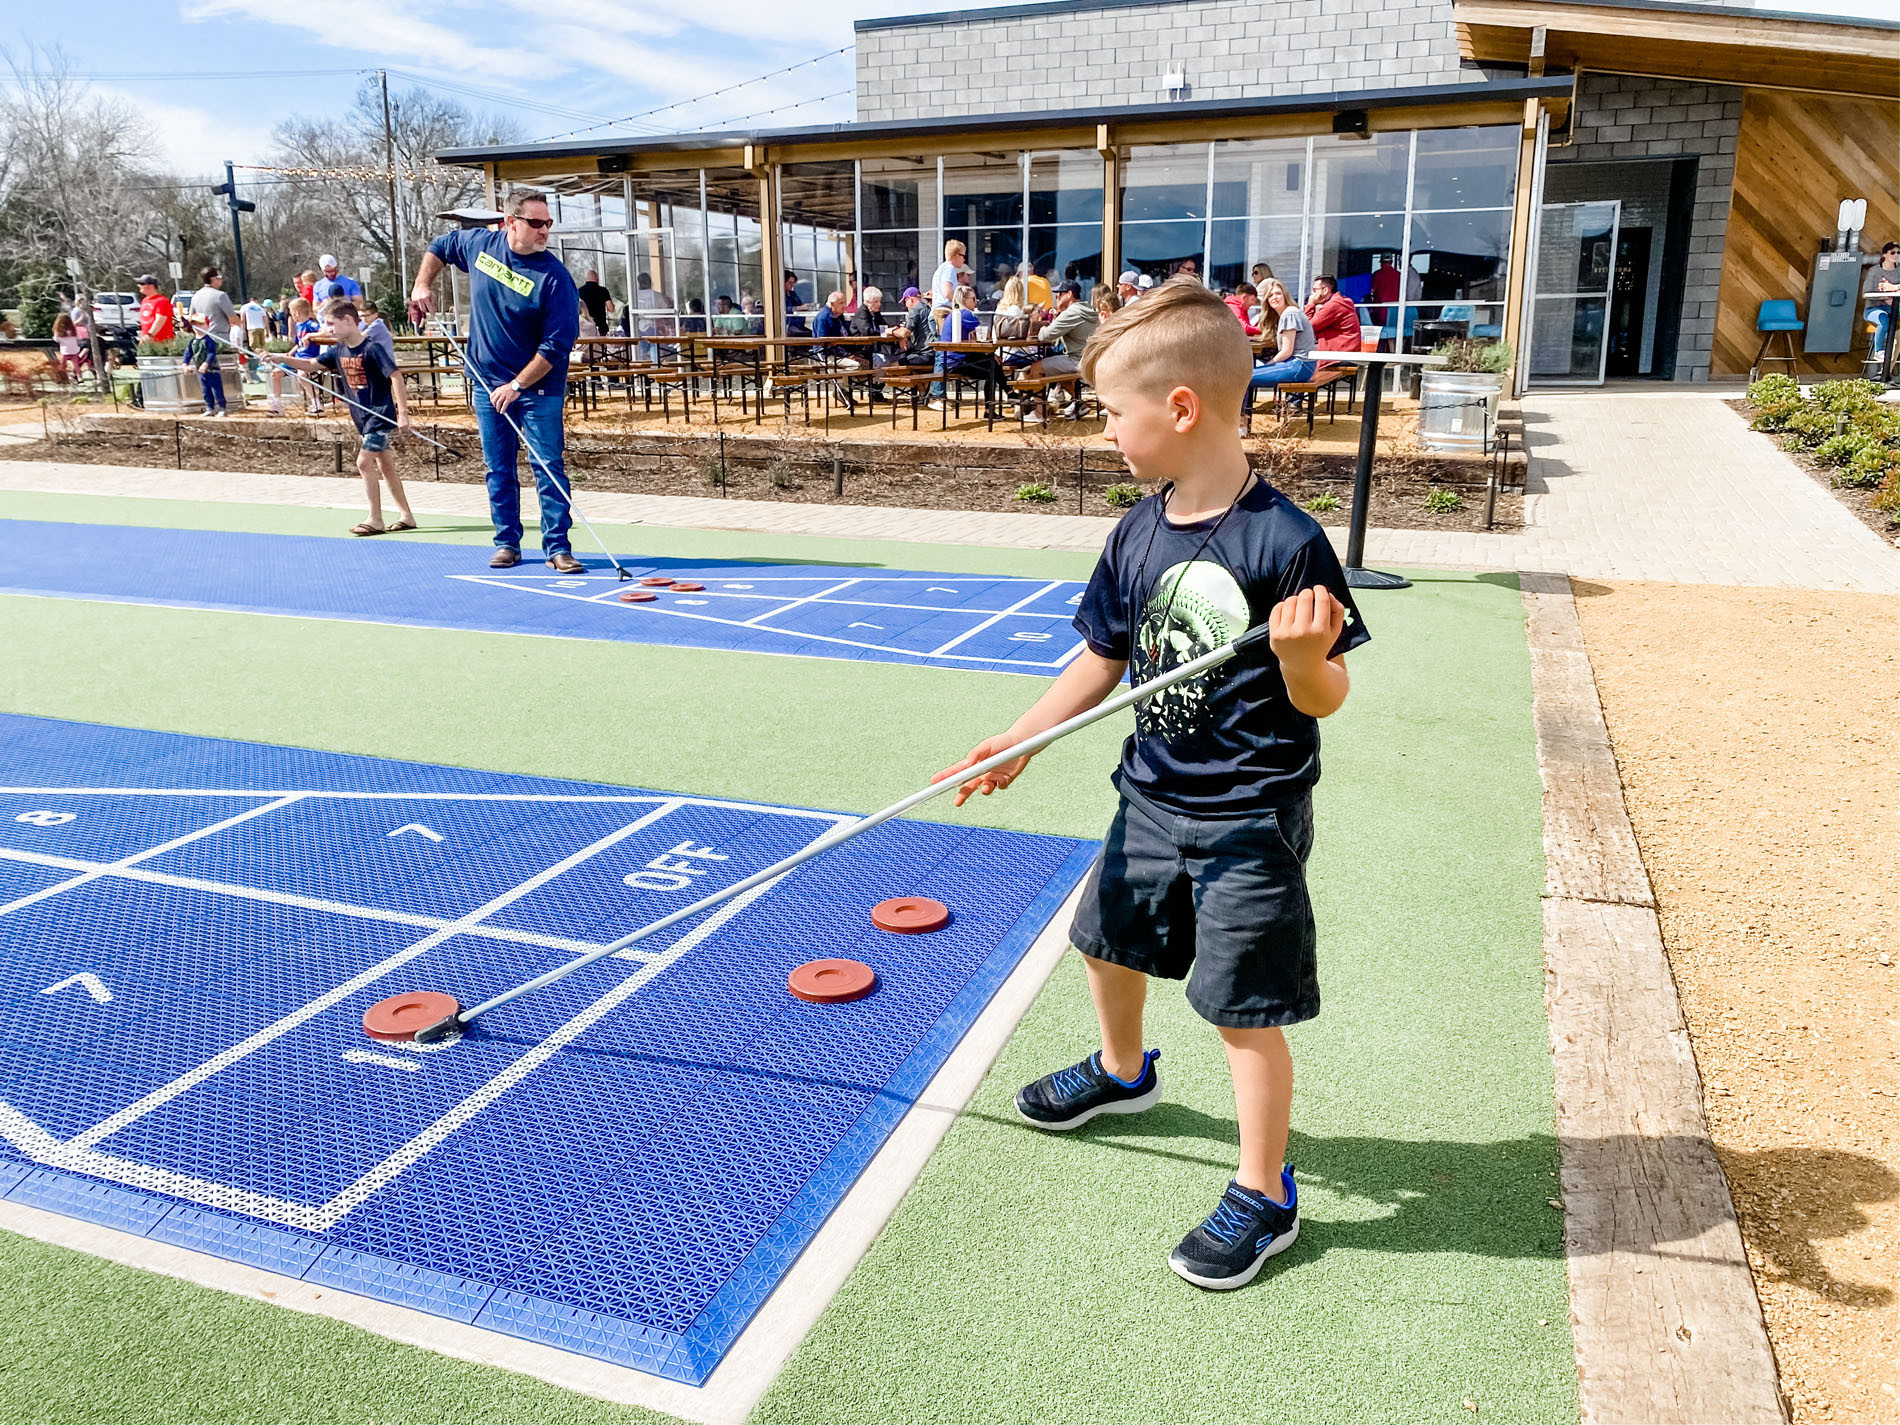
<point>1228,743</point>
<point>369,370</point>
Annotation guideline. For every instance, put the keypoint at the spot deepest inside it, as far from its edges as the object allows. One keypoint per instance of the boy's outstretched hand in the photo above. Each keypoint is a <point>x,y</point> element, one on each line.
<point>996,779</point>
<point>1303,629</point>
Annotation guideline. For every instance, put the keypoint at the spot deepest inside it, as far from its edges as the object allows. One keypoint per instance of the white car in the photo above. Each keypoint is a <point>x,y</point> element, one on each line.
<point>115,311</point>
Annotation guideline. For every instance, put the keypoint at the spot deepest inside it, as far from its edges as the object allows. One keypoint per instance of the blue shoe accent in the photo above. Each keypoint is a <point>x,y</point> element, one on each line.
<point>1244,1229</point>
<point>1070,1097</point>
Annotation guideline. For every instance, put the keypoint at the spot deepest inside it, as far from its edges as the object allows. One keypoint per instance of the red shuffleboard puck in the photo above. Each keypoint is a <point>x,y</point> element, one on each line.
<point>832,981</point>
<point>638,596</point>
<point>403,1016</point>
<point>910,915</point>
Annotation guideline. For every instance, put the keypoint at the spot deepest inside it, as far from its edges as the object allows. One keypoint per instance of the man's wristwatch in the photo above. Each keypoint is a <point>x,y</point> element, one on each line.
<point>515,386</point>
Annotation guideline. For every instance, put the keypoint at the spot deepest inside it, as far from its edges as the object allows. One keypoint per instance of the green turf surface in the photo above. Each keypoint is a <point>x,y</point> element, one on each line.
<point>1023,1278</point>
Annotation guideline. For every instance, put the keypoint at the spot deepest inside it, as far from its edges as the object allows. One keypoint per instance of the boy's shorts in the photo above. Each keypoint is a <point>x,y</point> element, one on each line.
<point>1220,904</point>
<point>375,440</point>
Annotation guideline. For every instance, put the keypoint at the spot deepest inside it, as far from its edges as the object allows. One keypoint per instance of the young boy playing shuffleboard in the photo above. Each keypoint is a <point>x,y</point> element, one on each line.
<point>1202,875</point>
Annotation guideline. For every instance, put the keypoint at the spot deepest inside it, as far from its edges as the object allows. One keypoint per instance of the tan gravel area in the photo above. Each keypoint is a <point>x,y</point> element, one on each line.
<point>1755,733</point>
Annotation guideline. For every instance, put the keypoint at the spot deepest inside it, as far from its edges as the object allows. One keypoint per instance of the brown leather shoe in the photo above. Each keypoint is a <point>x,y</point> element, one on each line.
<point>565,563</point>
<point>505,559</point>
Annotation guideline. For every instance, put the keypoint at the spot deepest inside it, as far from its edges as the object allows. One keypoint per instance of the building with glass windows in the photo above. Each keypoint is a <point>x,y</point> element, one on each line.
<point>1612,187</point>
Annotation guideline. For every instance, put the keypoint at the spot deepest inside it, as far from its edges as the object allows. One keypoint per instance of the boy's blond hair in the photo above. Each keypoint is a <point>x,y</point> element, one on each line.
<point>1180,334</point>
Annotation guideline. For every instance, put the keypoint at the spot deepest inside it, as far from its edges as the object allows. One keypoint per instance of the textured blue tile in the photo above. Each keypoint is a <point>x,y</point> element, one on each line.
<point>103,1203</point>
<point>899,617</point>
<point>238,1239</point>
<point>632,1194</point>
<point>438,1293</point>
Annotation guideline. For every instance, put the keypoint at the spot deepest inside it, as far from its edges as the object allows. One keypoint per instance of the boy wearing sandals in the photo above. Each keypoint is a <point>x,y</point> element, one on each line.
<point>1202,875</point>
<point>378,404</point>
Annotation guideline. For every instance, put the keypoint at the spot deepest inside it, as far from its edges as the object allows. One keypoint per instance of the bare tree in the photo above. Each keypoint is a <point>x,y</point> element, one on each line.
<point>340,185</point>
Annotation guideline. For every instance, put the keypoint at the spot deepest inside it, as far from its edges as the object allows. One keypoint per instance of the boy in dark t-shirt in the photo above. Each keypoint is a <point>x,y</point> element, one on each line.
<point>378,405</point>
<point>1202,875</point>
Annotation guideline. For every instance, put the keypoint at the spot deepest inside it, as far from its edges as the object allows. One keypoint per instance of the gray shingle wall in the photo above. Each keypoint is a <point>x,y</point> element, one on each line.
<point>1628,117</point>
<point>1228,49</point>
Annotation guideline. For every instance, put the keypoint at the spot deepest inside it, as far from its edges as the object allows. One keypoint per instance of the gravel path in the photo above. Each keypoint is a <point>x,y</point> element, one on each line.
<point>1754,732</point>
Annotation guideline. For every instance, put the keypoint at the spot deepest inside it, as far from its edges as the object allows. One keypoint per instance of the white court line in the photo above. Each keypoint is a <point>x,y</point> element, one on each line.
<point>717,802</point>
<point>95,871</point>
<point>272,896</point>
<point>78,1155</point>
<point>785,599</point>
<point>818,597</point>
<point>366,1056</point>
<point>648,610</point>
<point>997,617</point>
<point>159,1097</point>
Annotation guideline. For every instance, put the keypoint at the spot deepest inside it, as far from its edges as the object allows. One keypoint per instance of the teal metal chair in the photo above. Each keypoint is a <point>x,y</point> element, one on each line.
<point>1778,318</point>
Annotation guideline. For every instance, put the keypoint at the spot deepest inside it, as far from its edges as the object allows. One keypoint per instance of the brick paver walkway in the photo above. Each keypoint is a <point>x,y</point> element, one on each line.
<point>1671,487</point>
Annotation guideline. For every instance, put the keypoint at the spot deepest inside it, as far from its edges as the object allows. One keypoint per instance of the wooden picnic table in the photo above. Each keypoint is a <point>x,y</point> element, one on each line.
<point>990,349</point>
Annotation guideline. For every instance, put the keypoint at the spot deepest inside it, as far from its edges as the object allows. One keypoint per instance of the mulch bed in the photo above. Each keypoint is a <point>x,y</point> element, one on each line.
<point>794,470</point>
<point>1859,499</point>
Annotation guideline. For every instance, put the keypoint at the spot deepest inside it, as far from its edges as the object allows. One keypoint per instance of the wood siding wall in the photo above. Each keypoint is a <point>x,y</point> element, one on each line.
<point>1796,157</point>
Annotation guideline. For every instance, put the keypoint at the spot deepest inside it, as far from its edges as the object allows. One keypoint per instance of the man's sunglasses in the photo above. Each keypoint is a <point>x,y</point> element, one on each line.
<point>538,224</point>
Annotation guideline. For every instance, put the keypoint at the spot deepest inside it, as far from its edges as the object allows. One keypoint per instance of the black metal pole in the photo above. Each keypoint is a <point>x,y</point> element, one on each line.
<point>1357,575</point>
<point>237,232</point>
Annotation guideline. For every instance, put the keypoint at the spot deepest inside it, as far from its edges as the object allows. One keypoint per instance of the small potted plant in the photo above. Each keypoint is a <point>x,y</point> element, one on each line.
<point>164,384</point>
<point>1458,402</point>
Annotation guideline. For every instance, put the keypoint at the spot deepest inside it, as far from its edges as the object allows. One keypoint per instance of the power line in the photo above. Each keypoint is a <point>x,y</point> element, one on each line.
<point>781,109</point>
<point>700,99</point>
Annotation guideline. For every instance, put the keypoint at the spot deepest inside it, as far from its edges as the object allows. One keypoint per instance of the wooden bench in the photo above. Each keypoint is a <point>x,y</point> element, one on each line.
<point>1325,380</point>
<point>915,379</point>
<point>1040,385</point>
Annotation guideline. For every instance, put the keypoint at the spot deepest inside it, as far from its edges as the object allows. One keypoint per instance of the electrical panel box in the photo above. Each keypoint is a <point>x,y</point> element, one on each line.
<point>1833,302</point>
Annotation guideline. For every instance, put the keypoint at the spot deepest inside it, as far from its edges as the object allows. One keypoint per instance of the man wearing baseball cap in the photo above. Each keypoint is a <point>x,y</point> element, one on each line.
<point>1125,287</point>
<point>333,283</point>
<point>156,321</point>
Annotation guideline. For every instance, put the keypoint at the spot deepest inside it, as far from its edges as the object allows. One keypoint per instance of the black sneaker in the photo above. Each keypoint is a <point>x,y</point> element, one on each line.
<point>1228,1249</point>
<point>1070,1097</point>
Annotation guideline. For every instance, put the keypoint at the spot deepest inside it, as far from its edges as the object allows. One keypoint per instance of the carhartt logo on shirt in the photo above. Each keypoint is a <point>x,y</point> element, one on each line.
<point>507,276</point>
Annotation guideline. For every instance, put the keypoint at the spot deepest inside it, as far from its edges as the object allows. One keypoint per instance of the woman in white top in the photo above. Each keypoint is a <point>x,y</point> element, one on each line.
<point>1293,360</point>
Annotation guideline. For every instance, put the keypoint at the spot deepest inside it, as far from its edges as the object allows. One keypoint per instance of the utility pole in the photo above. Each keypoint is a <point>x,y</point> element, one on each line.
<point>397,246</point>
<point>238,205</point>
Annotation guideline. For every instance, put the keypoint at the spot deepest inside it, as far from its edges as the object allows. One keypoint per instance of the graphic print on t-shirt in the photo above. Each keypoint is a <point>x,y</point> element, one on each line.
<point>353,372</point>
<point>1196,607</point>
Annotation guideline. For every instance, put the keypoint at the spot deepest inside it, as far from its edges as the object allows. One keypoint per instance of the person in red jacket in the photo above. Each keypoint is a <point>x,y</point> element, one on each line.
<point>1243,303</point>
<point>1335,319</point>
<point>155,311</point>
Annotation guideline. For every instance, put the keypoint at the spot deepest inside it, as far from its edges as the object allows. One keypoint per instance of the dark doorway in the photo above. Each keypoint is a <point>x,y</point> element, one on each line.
<point>1629,293</point>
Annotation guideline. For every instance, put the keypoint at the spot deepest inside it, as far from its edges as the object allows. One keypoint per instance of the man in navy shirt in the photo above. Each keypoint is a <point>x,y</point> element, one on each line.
<point>524,314</point>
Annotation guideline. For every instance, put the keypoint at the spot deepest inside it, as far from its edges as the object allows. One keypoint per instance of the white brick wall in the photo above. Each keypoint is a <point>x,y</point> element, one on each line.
<point>1229,49</point>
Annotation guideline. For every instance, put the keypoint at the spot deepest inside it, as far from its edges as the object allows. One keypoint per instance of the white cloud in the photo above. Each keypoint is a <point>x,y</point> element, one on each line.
<point>192,141</point>
<point>386,30</point>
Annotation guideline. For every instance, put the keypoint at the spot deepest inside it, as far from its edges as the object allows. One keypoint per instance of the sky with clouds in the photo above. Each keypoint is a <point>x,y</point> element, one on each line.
<point>556,65</point>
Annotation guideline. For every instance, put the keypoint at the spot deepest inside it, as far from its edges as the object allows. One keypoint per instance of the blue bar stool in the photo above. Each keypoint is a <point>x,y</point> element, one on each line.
<point>1778,318</point>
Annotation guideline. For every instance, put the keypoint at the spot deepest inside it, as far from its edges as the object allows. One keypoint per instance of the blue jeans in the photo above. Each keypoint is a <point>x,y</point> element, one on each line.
<point>1275,372</point>
<point>212,384</point>
<point>539,414</point>
<point>1881,315</point>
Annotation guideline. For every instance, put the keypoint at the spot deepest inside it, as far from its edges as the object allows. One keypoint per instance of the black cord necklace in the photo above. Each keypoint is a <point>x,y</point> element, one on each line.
<point>1161,510</point>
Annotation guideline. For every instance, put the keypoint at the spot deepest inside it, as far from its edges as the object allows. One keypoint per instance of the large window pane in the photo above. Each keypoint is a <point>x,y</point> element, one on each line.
<point>1072,254</point>
<point>819,195</point>
<point>1065,187</point>
<point>1158,249</point>
<point>1360,175</point>
<point>1164,181</point>
<point>1461,254</point>
<point>1465,168</point>
<point>1567,344</point>
<point>892,261</point>
<point>1427,326</point>
<point>994,254</point>
<point>1240,244</point>
<point>982,190</point>
<point>1258,178</point>
<point>898,193</point>
<point>603,206</point>
<point>1363,252</point>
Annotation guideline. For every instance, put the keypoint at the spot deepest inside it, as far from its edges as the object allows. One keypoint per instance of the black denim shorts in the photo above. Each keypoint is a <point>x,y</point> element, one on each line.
<point>1220,904</point>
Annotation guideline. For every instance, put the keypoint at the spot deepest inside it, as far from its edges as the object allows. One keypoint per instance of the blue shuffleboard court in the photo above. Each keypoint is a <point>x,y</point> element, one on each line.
<point>623,1165</point>
<point>978,622</point>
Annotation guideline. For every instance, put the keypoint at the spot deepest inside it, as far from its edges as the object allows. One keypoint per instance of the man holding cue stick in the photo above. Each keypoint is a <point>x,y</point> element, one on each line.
<point>524,314</point>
